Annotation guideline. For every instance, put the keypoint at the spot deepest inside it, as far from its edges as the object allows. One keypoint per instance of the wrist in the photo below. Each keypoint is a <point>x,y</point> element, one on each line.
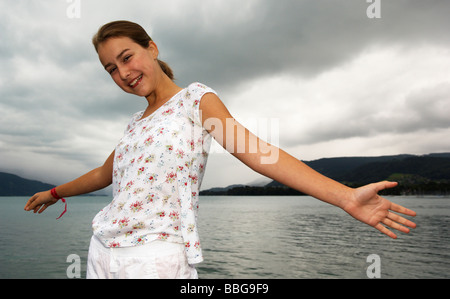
<point>57,197</point>
<point>55,194</point>
<point>346,198</point>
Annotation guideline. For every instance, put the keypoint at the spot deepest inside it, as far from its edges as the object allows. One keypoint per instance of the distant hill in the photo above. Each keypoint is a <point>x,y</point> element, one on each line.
<point>13,185</point>
<point>428,174</point>
<point>363,170</point>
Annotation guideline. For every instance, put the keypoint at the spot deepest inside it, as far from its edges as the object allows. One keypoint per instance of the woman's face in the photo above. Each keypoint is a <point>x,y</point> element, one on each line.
<point>132,67</point>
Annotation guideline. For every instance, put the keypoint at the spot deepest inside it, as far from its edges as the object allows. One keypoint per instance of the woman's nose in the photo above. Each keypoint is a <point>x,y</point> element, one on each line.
<point>124,73</point>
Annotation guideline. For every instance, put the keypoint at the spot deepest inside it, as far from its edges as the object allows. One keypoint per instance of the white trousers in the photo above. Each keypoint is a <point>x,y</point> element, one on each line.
<point>157,259</point>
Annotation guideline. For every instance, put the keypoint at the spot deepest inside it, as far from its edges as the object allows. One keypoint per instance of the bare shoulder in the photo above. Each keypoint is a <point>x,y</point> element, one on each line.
<point>213,107</point>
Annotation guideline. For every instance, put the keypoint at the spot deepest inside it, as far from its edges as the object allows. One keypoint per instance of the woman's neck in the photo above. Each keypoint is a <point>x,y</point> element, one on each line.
<point>164,91</point>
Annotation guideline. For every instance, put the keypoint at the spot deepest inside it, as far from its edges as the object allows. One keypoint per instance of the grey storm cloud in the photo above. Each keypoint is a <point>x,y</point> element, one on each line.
<point>297,58</point>
<point>302,37</point>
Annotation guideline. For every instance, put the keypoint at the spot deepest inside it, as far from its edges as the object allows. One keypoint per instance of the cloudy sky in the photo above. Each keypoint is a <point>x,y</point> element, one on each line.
<point>331,81</point>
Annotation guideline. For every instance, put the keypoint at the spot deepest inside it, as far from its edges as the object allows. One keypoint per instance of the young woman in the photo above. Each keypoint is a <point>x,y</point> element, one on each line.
<point>149,230</point>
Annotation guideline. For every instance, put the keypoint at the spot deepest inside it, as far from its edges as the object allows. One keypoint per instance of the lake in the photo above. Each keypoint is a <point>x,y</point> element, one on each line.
<point>261,237</point>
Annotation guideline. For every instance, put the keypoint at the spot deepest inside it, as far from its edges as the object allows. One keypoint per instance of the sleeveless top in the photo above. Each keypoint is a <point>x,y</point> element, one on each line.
<point>158,168</point>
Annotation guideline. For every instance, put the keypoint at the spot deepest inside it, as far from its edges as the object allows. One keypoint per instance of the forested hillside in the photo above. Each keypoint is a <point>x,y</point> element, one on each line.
<point>428,174</point>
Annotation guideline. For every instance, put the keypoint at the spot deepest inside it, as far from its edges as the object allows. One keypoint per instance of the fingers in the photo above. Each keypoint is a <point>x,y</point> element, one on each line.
<point>29,205</point>
<point>400,209</point>
<point>37,208</point>
<point>385,185</point>
<point>401,220</point>
<point>39,202</point>
<point>385,231</point>
<point>42,208</point>
<point>395,225</point>
<point>394,207</point>
<point>393,220</point>
<point>396,222</point>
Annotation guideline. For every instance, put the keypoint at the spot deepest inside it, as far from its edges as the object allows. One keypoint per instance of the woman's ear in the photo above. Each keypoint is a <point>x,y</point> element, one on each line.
<point>153,48</point>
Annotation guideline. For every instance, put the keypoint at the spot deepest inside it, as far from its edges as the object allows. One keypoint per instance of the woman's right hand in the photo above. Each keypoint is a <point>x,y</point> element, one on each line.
<point>40,201</point>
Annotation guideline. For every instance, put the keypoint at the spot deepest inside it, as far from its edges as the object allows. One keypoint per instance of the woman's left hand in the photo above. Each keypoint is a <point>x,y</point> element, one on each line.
<point>370,208</point>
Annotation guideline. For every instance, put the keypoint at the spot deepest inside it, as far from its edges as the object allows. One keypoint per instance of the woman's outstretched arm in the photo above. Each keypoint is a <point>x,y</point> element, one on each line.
<point>94,180</point>
<point>362,203</point>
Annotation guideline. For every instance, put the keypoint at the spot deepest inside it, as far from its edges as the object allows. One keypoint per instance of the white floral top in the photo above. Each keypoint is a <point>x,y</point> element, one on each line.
<point>158,168</point>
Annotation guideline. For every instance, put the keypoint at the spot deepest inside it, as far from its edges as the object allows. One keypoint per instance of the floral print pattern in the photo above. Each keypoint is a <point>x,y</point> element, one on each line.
<point>159,164</point>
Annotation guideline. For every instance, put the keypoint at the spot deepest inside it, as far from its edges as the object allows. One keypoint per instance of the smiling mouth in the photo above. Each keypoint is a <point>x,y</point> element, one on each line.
<point>135,82</point>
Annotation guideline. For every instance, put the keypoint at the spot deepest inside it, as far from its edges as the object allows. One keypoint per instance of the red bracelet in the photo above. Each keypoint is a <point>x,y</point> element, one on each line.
<point>56,196</point>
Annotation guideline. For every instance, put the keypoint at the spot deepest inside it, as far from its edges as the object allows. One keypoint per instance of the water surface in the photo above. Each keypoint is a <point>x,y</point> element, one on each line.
<point>243,237</point>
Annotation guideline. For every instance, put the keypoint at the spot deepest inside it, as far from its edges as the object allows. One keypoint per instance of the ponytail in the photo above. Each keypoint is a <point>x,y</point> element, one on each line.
<point>166,69</point>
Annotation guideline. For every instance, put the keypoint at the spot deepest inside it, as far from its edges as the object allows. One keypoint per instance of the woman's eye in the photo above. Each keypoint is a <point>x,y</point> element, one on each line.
<point>111,70</point>
<point>126,58</point>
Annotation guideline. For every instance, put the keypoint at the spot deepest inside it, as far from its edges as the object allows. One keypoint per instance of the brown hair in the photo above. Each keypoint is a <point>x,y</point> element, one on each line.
<point>132,31</point>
